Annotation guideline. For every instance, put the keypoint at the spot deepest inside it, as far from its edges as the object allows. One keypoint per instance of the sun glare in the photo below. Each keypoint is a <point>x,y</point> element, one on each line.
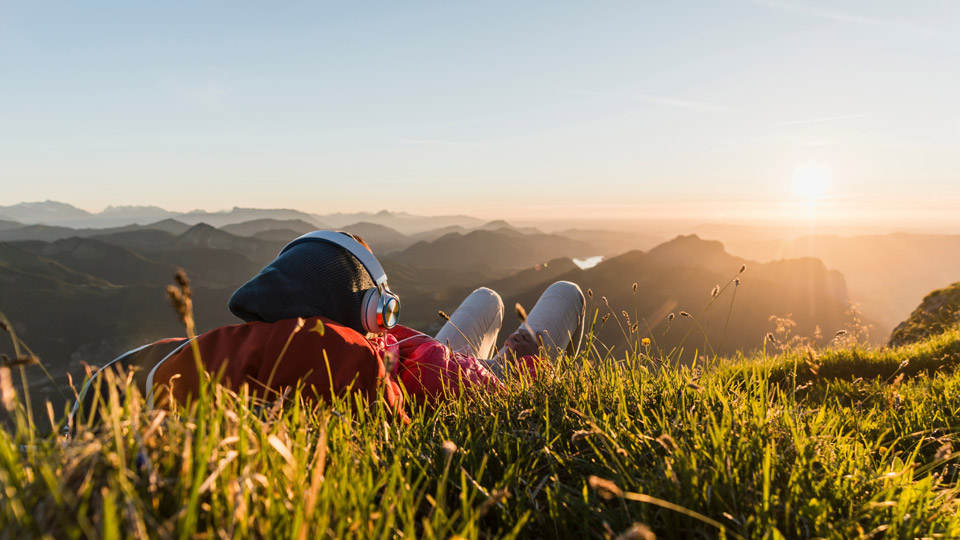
<point>812,180</point>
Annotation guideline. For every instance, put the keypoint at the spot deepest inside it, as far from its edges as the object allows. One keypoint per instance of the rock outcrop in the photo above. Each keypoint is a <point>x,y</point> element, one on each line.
<point>939,311</point>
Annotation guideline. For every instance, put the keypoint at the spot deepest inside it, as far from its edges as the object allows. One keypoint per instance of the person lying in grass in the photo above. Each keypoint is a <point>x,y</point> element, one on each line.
<point>308,324</point>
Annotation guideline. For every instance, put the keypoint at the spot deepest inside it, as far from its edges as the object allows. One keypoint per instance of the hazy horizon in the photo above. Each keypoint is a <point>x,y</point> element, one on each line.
<point>654,224</point>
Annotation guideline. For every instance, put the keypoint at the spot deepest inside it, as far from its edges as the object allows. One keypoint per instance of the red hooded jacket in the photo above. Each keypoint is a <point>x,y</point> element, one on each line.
<point>328,358</point>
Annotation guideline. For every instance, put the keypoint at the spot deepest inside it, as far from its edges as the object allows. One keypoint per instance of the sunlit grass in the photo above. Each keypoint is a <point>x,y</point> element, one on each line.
<point>792,445</point>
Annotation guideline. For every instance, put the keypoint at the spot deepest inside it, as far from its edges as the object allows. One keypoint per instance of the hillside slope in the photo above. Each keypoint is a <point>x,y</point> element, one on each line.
<point>259,226</point>
<point>939,311</point>
<point>109,262</point>
<point>502,248</point>
<point>673,277</point>
<point>886,273</point>
<point>382,239</point>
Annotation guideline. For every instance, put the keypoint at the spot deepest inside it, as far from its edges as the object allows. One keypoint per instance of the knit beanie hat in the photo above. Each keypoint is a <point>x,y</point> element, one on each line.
<point>311,279</point>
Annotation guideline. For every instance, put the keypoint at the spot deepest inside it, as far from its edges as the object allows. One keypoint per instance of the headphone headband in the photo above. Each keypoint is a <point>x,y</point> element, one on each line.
<point>381,307</point>
<point>355,248</point>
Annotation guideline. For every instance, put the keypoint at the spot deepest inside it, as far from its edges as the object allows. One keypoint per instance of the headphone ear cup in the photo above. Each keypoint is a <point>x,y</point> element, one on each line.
<point>371,300</point>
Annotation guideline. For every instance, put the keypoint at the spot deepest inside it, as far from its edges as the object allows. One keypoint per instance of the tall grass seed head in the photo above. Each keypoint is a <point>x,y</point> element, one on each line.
<point>581,434</point>
<point>605,488</point>
<point>182,280</point>
<point>944,451</point>
<point>7,393</point>
<point>448,447</point>
<point>667,442</point>
<point>22,360</point>
<point>637,531</point>
<point>522,313</point>
<point>177,300</point>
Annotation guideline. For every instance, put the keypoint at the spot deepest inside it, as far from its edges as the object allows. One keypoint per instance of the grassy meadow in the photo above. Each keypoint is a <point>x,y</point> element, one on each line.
<point>838,441</point>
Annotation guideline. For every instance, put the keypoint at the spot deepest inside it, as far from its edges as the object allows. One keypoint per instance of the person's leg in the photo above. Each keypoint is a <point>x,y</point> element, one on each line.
<point>557,318</point>
<point>473,327</point>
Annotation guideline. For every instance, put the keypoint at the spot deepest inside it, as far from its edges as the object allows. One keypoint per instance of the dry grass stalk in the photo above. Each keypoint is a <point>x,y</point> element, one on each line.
<point>605,488</point>
<point>637,531</point>
<point>522,313</point>
<point>7,393</point>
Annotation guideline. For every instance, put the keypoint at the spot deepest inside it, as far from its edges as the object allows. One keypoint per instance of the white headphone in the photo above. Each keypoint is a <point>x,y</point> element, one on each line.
<point>380,309</point>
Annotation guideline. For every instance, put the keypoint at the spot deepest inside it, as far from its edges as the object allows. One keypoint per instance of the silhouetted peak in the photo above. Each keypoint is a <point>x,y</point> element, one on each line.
<point>49,204</point>
<point>168,222</point>
<point>202,231</point>
<point>206,235</point>
<point>688,244</point>
<point>46,208</point>
<point>200,228</point>
<point>366,225</point>
<point>496,224</point>
<point>133,209</point>
<point>691,250</point>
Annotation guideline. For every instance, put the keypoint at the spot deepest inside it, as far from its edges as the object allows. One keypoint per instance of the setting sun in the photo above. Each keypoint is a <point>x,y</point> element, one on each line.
<point>812,180</point>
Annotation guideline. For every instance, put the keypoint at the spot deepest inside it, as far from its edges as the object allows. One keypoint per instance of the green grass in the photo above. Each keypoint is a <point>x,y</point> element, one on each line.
<point>834,445</point>
<point>936,353</point>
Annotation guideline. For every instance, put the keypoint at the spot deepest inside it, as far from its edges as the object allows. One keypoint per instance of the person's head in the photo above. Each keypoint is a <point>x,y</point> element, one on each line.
<point>359,240</point>
<point>311,277</point>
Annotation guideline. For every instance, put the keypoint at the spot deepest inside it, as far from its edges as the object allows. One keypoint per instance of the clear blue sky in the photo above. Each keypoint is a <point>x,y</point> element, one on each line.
<point>499,109</point>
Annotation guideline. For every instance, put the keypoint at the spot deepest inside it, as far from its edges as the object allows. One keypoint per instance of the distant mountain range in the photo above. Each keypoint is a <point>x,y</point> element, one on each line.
<point>90,291</point>
<point>52,213</point>
<point>885,273</point>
